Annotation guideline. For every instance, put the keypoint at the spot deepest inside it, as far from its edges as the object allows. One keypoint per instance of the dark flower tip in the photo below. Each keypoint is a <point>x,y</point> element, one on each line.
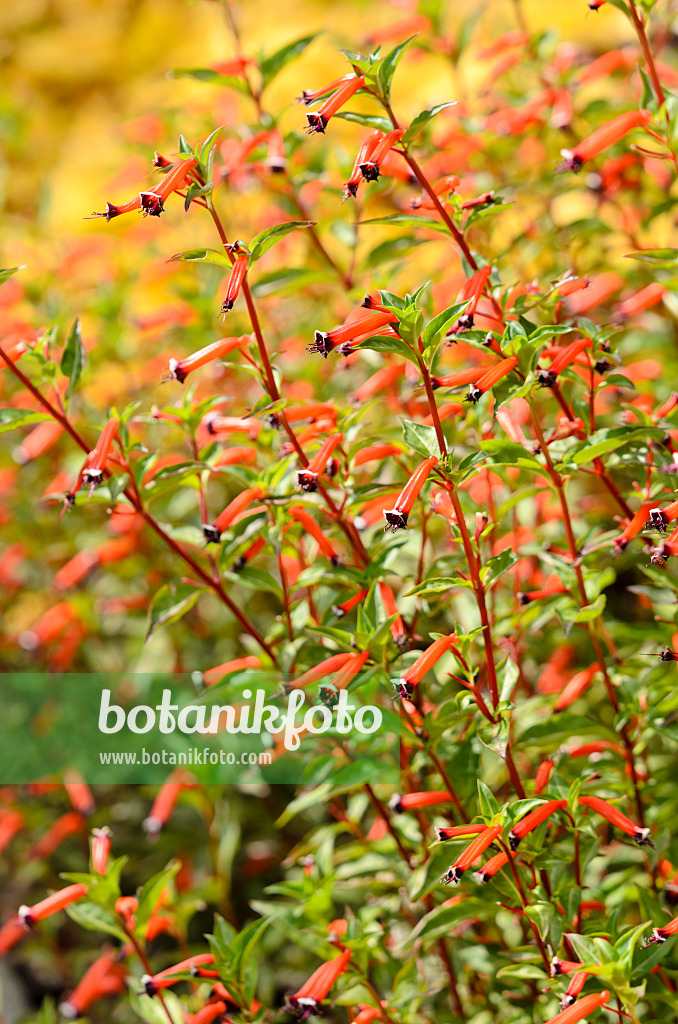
<point>369,171</point>
<point>642,837</point>
<point>473,395</point>
<point>657,520</point>
<point>350,190</point>
<point>545,378</point>
<point>396,804</point>
<point>395,520</point>
<point>402,690</point>
<point>307,480</point>
<point>321,344</point>
<point>514,841</point>
<point>227,306</point>
<point>239,564</point>
<point>303,1007</point>
<point>452,875</point>
<point>151,204</point>
<point>523,598</point>
<point>211,534</point>
<point>316,123</point>
<point>571,162</point>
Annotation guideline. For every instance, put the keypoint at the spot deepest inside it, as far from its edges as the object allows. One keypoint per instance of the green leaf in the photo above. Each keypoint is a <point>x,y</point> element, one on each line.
<point>421,120</point>
<point>609,440</point>
<point>169,604</point>
<point>366,120</point>
<point>409,220</point>
<point>74,358</point>
<point>387,67</point>
<point>202,256</point>
<point>436,328</point>
<point>271,65</point>
<point>395,345</point>
<point>487,801</point>
<point>96,919</point>
<point>213,78</point>
<point>438,585</point>
<point>262,242</point>
<point>496,566</point>
<point>195,191</point>
<point>4,274</point>
<point>151,893</point>
<point>657,257</point>
<point>421,438</point>
<point>10,419</point>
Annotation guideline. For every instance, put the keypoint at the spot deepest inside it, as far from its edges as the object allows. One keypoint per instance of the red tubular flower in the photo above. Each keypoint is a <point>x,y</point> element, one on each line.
<point>665,549</point>
<point>460,377</point>
<point>11,822</point>
<point>364,156</point>
<point>93,472</point>
<point>249,554</point>
<point>126,907</point>
<point>490,378</point>
<point>236,278</point>
<point>370,167</point>
<point>311,527</point>
<point>101,846</point>
<point>153,201</point>
<point>105,977</point>
<point>396,518</point>
<point>153,983</point>
<point>616,818</point>
<point>216,424</point>
<point>604,137</point>
<point>79,793</point>
<point>213,531</point>
<point>179,369</point>
<point>52,904</point>
<point>112,211</point>
<point>374,453</point>
<point>67,825</point>
<point>309,96</point>
<point>634,527</point>
<point>346,674</point>
<point>391,608</point>
<point>236,456</point>
<point>424,663</point>
<point>572,285</point>
<point>307,1000</point>
<point>40,440</point>
<point>324,668</point>
<point>414,801</point>
<point>163,805</point>
<point>447,184</point>
<point>532,820</point>
<point>659,934</point>
<point>12,931</point>
<point>581,1009</point>
<point>366,1014</point>
<point>659,518</point>
<point>310,411</point>
<point>276,160</point>
<point>565,356</point>
<point>493,865</point>
<point>380,380</point>
<point>214,675</point>
<point>471,854</point>
<point>339,610</point>
<point>360,327</point>
<point>208,1013</point>
<point>552,586</point>
<point>579,682</point>
<point>573,989</point>
<point>318,121</point>
<point>543,775</point>
<point>559,966</point>
<point>642,300</point>
<point>307,478</point>
<point>457,831</point>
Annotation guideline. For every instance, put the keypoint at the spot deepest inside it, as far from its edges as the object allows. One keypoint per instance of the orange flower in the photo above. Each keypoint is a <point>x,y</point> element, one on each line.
<point>359,328</point>
<point>580,1009</point>
<point>236,278</point>
<point>471,854</point>
<point>307,478</point>
<point>339,610</point>
<point>457,831</point>
<point>604,137</point>
<point>95,465</point>
<point>153,983</point>
<point>215,675</point>
<point>153,202</point>
<point>579,682</point>
<point>414,801</point>
<point>318,121</point>
<point>374,453</point>
<point>616,818</point>
<point>179,369</point>
<point>101,845</point>
<point>213,531</point>
<point>370,167</point>
<point>364,156</point>
<point>67,825</point>
<point>490,378</point>
<point>307,1000</point>
<point>396,518</point>
<point>324,668</point>
<point>424,663</point>
<point>391,608</point>
<point>52,904</point>
<point>163,805</point>
<point>311,527</point>
<point>563,359</point>
<point>105,977</point>
<point>541,779</point>
<point>532,820</point>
